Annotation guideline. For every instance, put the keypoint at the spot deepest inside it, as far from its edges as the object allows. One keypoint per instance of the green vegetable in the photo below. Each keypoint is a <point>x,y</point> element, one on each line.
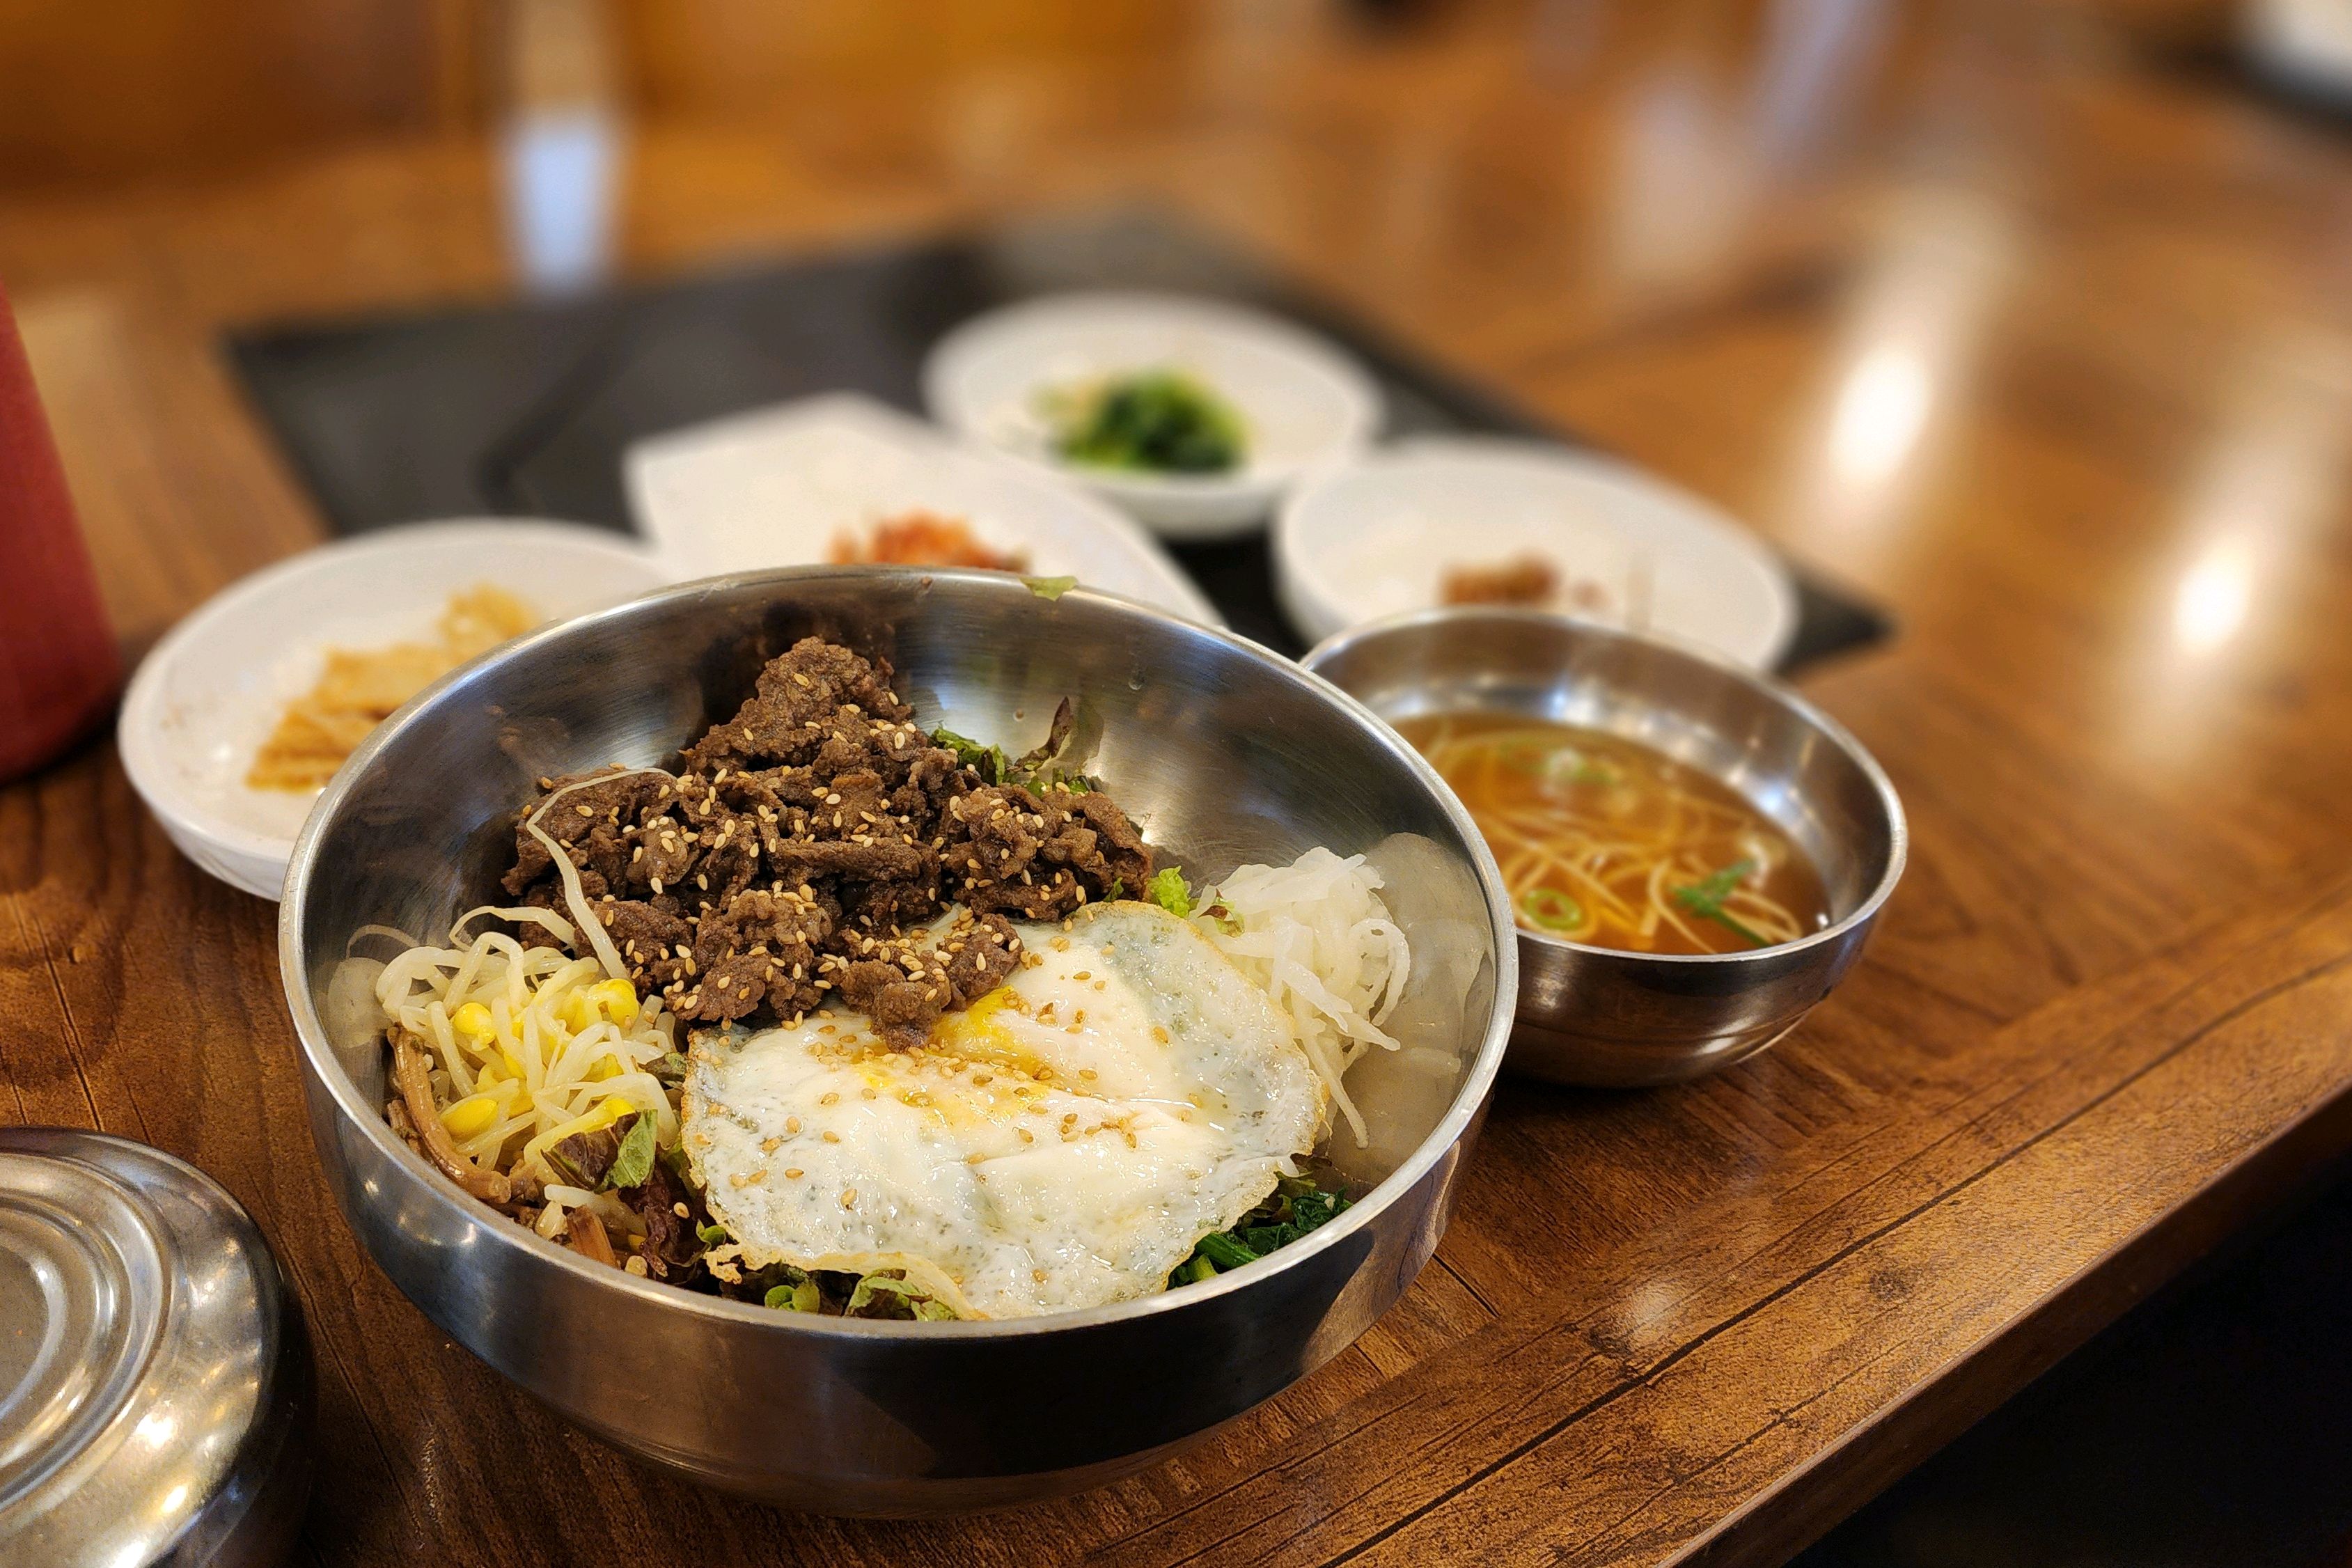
<point>670,1071</point>
<point>1295,1207</point>
<point>989,762</point>
<point>1309,1210</point>
<point>1050,587</point>
<point>889,1296</point>
<point>1167,890</point>
<point>634,1162</point>
<point>1551,910</point>
<point>1158,421</point>
<point>796,1296</point>
<point>1040,769</point>
<point>1224,1250</point>
<point>1706,898</point>
<point>711,1234</point>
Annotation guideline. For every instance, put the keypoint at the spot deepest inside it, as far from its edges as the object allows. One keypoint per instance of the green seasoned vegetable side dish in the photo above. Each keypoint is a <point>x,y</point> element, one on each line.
<point>1157,421</point>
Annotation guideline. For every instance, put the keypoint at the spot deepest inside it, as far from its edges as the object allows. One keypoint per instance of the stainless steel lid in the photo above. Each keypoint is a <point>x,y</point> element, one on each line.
<point>154,1385</point>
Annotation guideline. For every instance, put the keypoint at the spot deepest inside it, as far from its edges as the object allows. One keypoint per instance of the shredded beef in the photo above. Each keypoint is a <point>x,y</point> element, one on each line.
<point>804,849</point>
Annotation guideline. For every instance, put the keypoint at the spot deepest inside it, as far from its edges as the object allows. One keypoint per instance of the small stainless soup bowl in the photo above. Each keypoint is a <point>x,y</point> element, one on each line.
<point>1223,752</point>
<point>1595,1015</point>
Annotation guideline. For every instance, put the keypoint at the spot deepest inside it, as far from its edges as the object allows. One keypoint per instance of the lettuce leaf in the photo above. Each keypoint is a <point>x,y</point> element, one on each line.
<point>1167,890</point>
<point>634,1162</point>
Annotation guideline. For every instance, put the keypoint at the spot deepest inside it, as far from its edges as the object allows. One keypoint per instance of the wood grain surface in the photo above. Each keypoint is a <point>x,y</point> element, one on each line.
<point>2024,328</point>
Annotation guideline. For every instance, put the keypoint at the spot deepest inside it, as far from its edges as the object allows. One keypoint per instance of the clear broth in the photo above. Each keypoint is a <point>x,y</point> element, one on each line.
<point>1606,841</point>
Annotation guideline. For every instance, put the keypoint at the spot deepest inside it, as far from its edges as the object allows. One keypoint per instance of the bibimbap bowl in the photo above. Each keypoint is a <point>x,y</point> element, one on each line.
<point>1223,753</point>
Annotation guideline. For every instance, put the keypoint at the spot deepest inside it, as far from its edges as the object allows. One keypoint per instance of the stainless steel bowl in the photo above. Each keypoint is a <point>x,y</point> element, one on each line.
<point>1225,753</point>
<point>1594,1014</point>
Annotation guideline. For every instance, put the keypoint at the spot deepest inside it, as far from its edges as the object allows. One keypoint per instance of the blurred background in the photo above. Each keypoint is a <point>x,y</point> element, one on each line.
<point>1876,277</point>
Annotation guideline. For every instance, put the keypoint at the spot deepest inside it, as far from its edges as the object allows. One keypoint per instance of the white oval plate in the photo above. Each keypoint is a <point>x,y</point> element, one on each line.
<point>1304,402</point>
<point>1375,538</point>
<point>210,692</point>
<point>775,488</point>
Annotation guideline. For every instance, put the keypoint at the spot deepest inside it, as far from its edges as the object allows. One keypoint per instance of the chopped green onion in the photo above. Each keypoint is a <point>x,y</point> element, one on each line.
<point>1551,910</point>
<point>1705,897</point>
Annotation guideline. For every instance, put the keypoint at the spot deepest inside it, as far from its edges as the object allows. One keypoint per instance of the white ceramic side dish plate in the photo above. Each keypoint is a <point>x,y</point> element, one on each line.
<point>211,691</point>
<point>1377,537</point>
<point>780,486</point>
<point>1303,403</point>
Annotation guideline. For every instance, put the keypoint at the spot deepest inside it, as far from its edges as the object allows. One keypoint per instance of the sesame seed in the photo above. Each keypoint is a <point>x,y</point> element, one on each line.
<point>849,1197</point>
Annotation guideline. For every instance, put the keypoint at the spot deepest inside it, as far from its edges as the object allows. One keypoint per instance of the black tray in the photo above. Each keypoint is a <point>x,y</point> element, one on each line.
<point>526,408</point>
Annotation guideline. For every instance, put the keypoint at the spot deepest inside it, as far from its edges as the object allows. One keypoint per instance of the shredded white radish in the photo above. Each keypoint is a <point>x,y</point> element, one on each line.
<point>1315,937</point>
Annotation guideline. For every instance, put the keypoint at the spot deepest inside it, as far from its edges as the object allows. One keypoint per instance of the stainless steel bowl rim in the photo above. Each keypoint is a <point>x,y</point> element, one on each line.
<point>1477,1084</point>
<point>1898,827</point>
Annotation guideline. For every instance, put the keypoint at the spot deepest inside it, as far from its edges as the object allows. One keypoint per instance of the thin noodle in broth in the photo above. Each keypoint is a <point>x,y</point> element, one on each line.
<point>1605,841</point>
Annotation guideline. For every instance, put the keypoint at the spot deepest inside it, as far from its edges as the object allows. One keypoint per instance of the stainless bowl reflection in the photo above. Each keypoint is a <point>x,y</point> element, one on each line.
<point>1223,752</point>
<point>1595,1015</point>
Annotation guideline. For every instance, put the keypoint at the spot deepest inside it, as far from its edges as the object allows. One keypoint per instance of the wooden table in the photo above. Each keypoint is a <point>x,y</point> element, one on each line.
<point>2044,344</point>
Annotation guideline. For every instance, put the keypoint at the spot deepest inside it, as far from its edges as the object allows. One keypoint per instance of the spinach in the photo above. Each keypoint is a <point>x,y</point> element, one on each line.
<point>1158,421</point>
<point>1222,1249</point>
<point>1296,1206</point>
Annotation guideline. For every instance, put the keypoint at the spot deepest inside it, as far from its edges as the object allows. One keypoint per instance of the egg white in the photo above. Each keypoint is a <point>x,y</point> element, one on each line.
<point>1063,1143</point>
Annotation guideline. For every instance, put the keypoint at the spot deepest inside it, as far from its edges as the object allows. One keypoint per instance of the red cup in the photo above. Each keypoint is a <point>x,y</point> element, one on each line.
<point>60,670</point>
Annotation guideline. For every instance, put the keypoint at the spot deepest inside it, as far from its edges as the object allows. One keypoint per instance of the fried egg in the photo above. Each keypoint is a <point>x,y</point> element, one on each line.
<point>1062,1143</point>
